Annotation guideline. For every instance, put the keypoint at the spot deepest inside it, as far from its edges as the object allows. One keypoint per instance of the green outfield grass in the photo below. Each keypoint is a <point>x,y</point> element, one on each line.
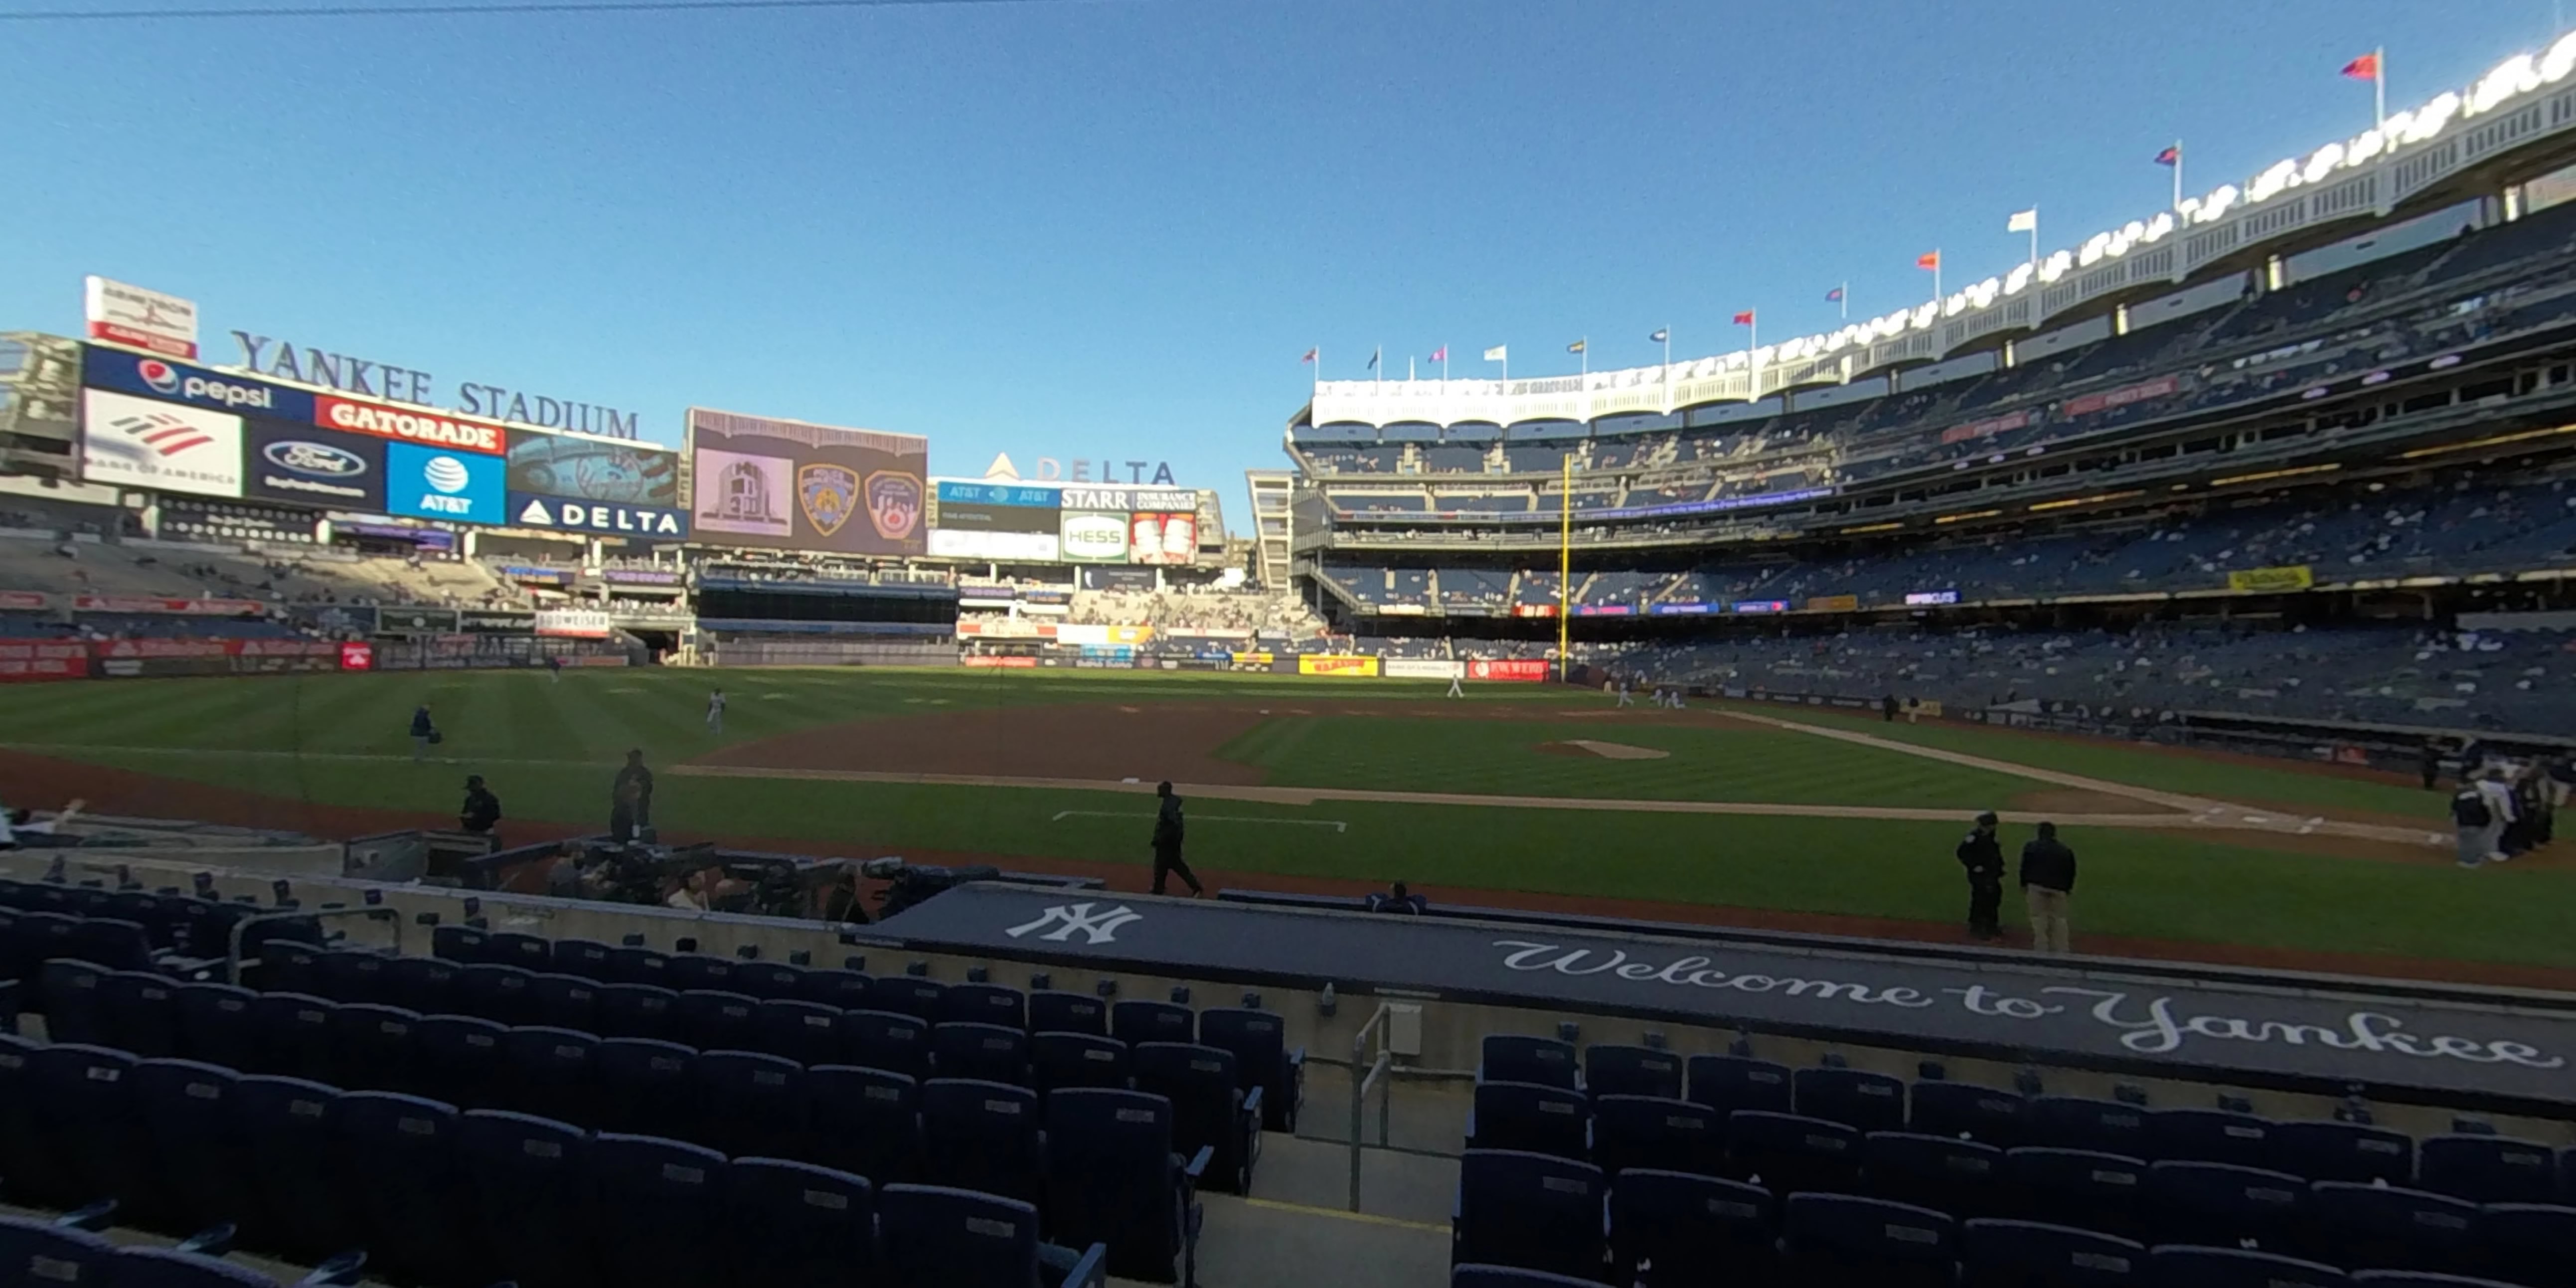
<point>549,749</point>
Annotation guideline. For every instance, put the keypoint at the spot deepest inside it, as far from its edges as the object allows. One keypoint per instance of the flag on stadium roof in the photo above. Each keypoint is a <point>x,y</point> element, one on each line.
<point>1834,296</point>
<point>1499,353</point>
<point>1744,318</point>
<point>1310,356</point>
<point>1576,347</point>
<point>2365,67</point>
<point>2170,156</point>
<point>1440,354</point>
<point>1373,357</point>
<point>2023,221</point>
<point>1928,259</point>
<point>1661,334</point>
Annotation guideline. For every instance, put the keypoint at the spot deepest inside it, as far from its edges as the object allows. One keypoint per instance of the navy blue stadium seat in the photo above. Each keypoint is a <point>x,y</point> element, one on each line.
<point>2421,1279</point>
<point>84,1122</point>
<point>2325,1150</point>
<point>1077,1060</point>
<point>2383,1226</point>
<point>805,1032</point>
<point>41,1254</point>
<point>351,975</point>
<point>528,1186</point>
<point>842,990</point>
<point>2212,1136</point>
<point>1669,1229</point>
<point>376,1048</point>
<point>512,948</point>
<point>646,1088</point>
<point>1841,1239</point>
<point>628,1010</point>
<point>1262,1058</point>
<point>1113,1177</point>
<point>560,1001</point>
<point>2221,1205</point>
<point>713,1020</point>
<point>1512,1277</point>
<point>495,991</point>
<point>750,1103</point>
<point>1529,1116</point>
<point>939,1237</point>
<point>142,1013</point>
<point>2487,1169</point>
<point>1519,1057</point>
<point>701,971</point>
<point>984,1052</point>
<point>982,1136</point>
<point>1137,1021</point>
<point>1866,1102</point>
<point>186,1111</point>
<point>1535,1211</point>
<point>1727,1083</point>
<point>1055,1011</point>
<point>2031,1254</point>
<point>634,965</point>
<point>587,958</point>
<point>296,1035</point>
<point>423,984</point>
<point>548,1073</point>
<point>2105,1192</point>
<point>2098,1126</point>
<point>769,981</point>
<point>112,943</point>
<point>1961,1177</point>
<point>906,995</point>
<point>888,1040</point>
<point>177,1268</point>
<point>1631,1071</point>
<point>1630,1132</point>
<point>460,1058</point>
<point>2184,1266</point>
<point>801,1226</point>
<point>75,1001</point>
<point>1209,1108</point>
<point>294,1206</point>
<point>463,945</point>
<point>984,1004</point>
<point>1789,1153</point>
<point>1985,1114</point>
<point>2527,1243</point>
<point>658,1219</point>
<point>397,1159</point>
<point>865,1121</point>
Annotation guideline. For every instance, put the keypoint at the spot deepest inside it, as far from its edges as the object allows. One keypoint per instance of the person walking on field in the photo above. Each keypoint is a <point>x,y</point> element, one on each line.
<point>1167,843</point>
<point>423,732</point>
<point>1983,856</point>
<point>1454,690</point>
<point>715,712</point>
<point>2475,822</point>
<point>630,801</point>
<point>2047,883</point>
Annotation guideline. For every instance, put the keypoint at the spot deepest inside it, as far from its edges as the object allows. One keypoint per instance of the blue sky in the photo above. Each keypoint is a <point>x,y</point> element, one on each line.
<point>1109,228</point>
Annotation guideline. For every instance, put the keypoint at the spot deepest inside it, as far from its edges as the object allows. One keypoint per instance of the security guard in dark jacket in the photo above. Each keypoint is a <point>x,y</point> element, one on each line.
<point>481,810</point>
<point>2047,883</point>
<point>1983,856</point>
<point>1169,828</point>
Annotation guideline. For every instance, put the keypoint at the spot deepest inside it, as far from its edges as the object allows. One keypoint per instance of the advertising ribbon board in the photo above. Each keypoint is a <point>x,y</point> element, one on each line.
<point>1832,603</point>
<point>1336,664</point>
<point>31,660</point>
<point>2292,577</point>
<point>789,485</point>
<point>1422,668</point>
<point>1524,670</point>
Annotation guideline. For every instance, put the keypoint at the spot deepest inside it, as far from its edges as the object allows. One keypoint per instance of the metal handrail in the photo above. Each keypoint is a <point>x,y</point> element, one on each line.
<point>1383,1065</point>
<point>233,949</point>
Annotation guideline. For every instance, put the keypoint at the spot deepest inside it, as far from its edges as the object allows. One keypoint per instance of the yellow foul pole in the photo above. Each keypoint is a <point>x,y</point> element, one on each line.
<point>1565,574</point>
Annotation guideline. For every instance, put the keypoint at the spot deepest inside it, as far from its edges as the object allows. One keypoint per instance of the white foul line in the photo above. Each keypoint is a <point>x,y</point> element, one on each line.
<point>1063,814</point>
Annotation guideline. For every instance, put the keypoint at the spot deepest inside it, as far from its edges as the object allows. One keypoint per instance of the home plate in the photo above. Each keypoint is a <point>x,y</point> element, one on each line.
<point>1617,750</point>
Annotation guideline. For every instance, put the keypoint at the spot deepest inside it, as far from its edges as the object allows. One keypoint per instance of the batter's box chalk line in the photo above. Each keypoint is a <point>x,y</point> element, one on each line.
<point>1335,824</point>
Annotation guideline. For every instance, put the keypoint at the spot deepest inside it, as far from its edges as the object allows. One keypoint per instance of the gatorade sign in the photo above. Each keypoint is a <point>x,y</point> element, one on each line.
<point>402,424</point>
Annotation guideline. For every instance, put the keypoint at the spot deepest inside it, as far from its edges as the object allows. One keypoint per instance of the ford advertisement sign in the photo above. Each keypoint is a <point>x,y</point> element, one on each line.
<point>306,465</point>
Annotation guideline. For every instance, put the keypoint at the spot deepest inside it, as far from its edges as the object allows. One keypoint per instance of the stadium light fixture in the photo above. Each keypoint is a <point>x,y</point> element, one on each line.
<point>1869,527</point>
<point>2495,440</point>
<point>1966,516</point>
<point>2268,475</point>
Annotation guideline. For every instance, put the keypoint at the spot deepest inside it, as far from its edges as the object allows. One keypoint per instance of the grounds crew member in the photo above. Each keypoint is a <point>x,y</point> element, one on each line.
<point>2475,822</point>
<point>482,809</point>
<point>1983,856</point>
<point>630,800</point>
<point>423,732</point>
<point>1167,843</point>
<point>2047,881</point>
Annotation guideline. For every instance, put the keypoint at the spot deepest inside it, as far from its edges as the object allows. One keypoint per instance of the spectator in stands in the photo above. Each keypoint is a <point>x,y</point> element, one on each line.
<point>694,893</point>
<point>630,801</point>
<point>20,831</point>
<point>2047,883</point>
<point>423,733</point>
<point>481,810</point>
<point>1398,900</point>
<point>1983,856</point>
<point>1168,828</point>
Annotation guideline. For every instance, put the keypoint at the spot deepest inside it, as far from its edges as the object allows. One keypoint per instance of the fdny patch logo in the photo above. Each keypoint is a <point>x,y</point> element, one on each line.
<point>894,504</point>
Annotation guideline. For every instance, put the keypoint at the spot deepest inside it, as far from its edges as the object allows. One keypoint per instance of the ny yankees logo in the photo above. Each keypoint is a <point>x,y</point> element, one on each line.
<point>1069,918</point>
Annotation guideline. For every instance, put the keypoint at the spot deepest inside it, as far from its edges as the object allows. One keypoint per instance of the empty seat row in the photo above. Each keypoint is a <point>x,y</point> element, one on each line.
<point>440,1198</point>
<point>1653,1228</point>
<point>147,922</point>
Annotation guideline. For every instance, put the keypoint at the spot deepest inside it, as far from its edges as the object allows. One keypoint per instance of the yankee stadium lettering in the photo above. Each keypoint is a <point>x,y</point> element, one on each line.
<point>267,356</point>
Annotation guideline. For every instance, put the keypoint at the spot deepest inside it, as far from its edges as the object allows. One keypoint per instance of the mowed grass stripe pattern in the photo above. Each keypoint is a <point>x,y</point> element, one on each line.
<point>1396,753</point>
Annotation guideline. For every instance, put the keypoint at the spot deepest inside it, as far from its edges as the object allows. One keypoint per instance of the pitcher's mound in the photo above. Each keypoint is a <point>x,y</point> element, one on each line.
<point>1605,750</point>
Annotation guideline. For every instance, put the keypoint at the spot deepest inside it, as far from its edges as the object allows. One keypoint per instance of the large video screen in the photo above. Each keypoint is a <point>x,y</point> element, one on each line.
<point>788,485</point>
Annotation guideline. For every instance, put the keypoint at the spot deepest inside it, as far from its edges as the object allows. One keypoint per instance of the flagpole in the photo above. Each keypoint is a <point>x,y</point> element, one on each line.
<point>2177,176</point>
<point>1564,563</point>
<point>2379,84</point>
<point>2034,239</point>
<point>1843,298</point>
<point>1753,351</point>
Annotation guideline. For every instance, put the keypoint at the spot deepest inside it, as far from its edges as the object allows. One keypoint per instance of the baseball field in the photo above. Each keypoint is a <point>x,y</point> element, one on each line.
<point>1519,794</point>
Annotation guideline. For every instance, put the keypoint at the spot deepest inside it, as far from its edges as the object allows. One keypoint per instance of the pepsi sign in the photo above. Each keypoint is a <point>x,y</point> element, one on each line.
<point>603,518</point>
<point>180,382</point>
<point>308,465</point>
